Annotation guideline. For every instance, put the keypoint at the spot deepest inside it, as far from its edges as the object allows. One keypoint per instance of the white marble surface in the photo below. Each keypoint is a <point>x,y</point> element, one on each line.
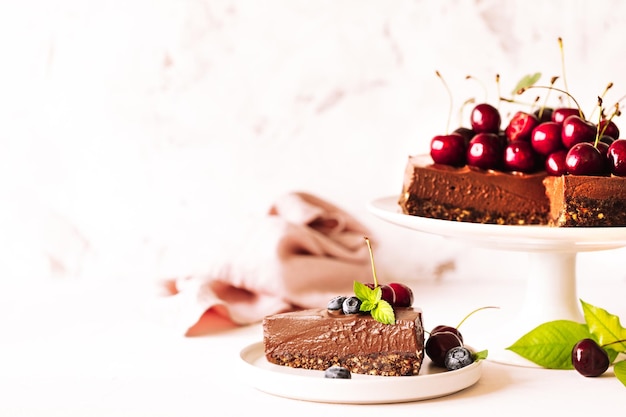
<point>111,358</point>
<point>133,132</point>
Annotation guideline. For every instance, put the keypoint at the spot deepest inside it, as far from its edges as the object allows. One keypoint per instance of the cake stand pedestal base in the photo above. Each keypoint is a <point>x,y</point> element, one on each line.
<point>551,294</point>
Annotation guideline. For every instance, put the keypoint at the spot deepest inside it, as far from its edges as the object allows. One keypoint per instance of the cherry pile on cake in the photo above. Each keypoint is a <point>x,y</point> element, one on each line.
<point>547,166</point>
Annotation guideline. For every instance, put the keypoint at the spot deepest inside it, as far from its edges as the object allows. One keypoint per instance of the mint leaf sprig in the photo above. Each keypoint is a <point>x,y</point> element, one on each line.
<point>372,302</point>
<point>372,298</point>
<point>550,344</point>
<point>480,355</point>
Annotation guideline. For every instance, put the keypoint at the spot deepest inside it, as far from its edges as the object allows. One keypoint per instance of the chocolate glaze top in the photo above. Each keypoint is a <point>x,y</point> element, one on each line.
<point>317,332</point>
<point>475,188</point>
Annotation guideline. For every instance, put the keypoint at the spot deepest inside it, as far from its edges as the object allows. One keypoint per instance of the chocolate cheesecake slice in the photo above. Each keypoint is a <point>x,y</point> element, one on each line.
<point>592,201</point>
<point>317,339</point>
<point>474,195</point>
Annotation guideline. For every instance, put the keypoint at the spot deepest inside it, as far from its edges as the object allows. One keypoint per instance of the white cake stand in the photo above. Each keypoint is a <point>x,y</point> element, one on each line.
<point>551,292</point>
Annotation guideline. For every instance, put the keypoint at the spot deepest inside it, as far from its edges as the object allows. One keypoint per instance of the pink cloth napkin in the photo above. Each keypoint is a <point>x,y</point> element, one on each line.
<point>303,252</point>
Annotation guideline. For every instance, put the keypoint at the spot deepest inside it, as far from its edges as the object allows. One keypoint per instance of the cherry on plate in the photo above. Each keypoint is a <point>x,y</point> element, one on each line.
<point>403,294</point>
<point>589,359</point>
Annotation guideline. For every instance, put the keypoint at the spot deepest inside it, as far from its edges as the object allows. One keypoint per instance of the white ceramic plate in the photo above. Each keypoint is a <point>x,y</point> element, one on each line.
<point>527,238</point>
<point>302,384</point>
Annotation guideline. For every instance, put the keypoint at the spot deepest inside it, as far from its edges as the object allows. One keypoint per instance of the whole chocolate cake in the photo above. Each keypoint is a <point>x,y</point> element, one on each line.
<point>318,339</point>
<point>546,165</point>
<point>469,194</point>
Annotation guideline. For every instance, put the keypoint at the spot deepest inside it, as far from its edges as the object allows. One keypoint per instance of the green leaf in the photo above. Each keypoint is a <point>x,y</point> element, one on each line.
<point>605,327</point>
<point>383,312</point>
<point>480,355</point>
<point>550,344</point>
<point>620,371</point>
<point>368,305</point>
<point>365,293</point>
<point>526,81</point>
<point>372,301</point>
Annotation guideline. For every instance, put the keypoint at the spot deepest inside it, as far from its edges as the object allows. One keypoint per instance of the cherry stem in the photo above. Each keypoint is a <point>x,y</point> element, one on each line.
<point>545,100</point>
<point>606,89</point>
<point>469,77</point>
<point>598,133</point>
<point>580,111</point>
<point>540,112</point>
<point>471,313</point>
<point>513,101</point>
<point>616,112</point>
<point>369,248</point>
<point>498,88</point>
<point>619,101</point>
<point>468,101</point>
<point>563,68</point>
<point>450,100</point>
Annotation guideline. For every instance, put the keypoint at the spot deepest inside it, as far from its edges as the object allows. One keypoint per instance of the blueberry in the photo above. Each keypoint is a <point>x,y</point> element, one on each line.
<point>337,372</point>
<point>351,305</point>
<point>458,357</point>
<point>336,303</point>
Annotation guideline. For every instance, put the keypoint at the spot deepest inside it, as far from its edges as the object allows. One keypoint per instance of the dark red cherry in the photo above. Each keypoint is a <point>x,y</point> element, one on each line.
<point>607,139</point>
<point>387,293</point>
<point>503,139</point>
<point>485,118</point>
<point>589,359</point>
<point>521,126</point>
<point>617,157</point>
<point>576,130</point>
<point>466,132</point>
<point>444,328</point>
<point>555,163</point>
<point>519,156</point>
<point>403,294</point>
<point>603,147</point>
<point>544,114</point>
<point>448,149</point>
<point>560,114</point>
<point>485,151</point>
<point>546,138</point>
<point>585,159</point>
<point>439,343</point>
<point>608,128</point>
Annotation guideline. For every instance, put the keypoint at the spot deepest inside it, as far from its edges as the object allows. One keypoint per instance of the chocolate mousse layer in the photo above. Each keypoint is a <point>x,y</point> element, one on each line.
<point>470,194</point>
<point>316,339</point>
<point>586,200</point>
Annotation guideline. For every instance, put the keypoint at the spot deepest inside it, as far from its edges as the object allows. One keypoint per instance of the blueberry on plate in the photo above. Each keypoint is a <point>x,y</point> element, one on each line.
<point>337,372</point>
<point>458,357</point>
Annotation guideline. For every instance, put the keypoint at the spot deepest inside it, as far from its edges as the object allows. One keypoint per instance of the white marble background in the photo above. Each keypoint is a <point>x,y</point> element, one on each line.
<point>135,133</point>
